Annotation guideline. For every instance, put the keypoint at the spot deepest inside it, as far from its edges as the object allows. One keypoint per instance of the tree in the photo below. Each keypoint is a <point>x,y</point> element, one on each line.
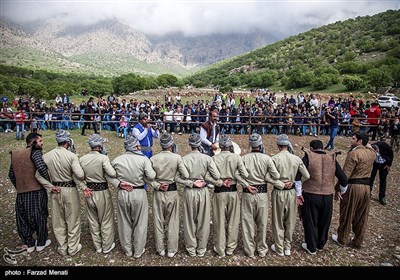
<point>298,77</point>
<point>8,87</point>
<point>323,81</point>
<point>378,78</point>
<point>97,87</point>
<point>353,82</point>
<point>166,80</point>
<point>32,88</point>
<point>395,71</point>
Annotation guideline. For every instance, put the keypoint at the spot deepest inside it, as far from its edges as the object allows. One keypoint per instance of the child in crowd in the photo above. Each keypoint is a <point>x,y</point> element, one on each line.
<point>123,123</point>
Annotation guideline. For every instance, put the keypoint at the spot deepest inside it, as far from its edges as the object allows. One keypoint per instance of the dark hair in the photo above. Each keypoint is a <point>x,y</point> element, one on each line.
<point>31,137</point>
<point>143,116</point>
<point>316,145</point>
<point>363,136</point>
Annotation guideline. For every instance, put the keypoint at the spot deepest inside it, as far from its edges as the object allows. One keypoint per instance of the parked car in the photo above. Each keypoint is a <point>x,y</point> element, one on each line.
<point>388,101</point>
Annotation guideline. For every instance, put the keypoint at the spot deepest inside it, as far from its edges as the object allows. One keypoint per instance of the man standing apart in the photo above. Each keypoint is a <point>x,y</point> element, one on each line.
<point>355,203</point>
<point>196,198</point>
<point>64,168</point>
<point>383,162</point>
<point>133,171</point>
<point>99,204</point>
<point>333,117</point>
<point>261,170</point>
<point>226,203</point>
<point>170,170</point>
<point>316,201</point>
<point>209,134</point>
<point>31,204</point>
<point>88,116</point>
<point>145,132</point>
<point>285,199</point>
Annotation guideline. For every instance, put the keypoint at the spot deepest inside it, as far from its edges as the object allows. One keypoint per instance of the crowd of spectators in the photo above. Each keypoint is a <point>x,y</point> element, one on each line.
<point>260,111</point>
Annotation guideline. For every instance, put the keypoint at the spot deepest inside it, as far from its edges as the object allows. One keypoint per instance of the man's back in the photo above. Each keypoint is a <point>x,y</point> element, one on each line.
<point>288,164</point>
<point>197,164</point>
<point>359,163</point>
<point>62,164</point>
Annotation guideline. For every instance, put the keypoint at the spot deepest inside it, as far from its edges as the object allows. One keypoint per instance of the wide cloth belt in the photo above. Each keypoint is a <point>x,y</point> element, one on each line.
<point>138,187</point>
<point>232,188</point>
<point>260,189</point>
<point>98,186</point>
<point>70,184</point>
<point>359,181</point>
<point>284,189</point>
<point>171,187</point>
<point>145,148</point>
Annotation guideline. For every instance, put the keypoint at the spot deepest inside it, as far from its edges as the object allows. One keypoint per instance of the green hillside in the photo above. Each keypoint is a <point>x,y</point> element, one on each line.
<point>89,63</point>
<point>361,53</point>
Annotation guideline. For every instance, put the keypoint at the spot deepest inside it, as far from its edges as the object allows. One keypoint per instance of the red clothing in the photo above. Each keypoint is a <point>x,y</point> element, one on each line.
<point>19,118</point>
<point>373,114</point>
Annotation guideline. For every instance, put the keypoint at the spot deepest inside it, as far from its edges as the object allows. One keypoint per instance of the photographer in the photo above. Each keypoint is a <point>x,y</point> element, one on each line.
<point>333,118</point>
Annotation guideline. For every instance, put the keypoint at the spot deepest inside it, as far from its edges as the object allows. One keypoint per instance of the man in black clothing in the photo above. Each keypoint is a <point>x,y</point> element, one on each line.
<point>383,162</point>
<point>31,204</point>
<point>88,116</point>
<point>316,201</point>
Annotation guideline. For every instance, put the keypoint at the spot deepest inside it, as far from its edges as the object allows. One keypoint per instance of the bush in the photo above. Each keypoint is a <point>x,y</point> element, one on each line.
<point>353,82</point>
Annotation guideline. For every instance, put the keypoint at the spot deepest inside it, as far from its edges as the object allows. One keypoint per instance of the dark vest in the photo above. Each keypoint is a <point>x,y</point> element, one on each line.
<point>322,168</point>
<point>207,127</point>
<point>24,171</point>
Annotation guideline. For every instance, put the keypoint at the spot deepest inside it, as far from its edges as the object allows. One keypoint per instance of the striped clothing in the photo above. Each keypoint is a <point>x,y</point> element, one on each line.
<point>31,207</point>
<point>31,214</point>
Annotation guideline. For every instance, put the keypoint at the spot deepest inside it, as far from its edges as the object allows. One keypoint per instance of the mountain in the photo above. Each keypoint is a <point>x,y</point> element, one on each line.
<point>112,48</point>
<point>360,53</point>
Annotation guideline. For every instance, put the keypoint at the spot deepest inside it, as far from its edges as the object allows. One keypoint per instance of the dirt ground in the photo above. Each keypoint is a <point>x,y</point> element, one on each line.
<point>381,246</point>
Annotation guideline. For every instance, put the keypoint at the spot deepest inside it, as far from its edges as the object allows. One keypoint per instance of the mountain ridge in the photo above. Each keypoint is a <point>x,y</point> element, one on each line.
<point>73,47</point>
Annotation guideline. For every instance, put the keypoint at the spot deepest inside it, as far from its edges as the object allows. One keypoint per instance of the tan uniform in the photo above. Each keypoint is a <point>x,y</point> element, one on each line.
<point>170,169</point>
<point>196,202</point>
<point>99,206</point>
<point>284,204</point>
<point>354,207</point>
<point>65,171</point>
<point>132,207</point>
<point>226,203</point>
<point>261,170</point>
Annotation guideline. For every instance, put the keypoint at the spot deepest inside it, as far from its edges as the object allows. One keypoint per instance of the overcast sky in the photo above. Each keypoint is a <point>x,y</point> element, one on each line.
<point>198,17</point>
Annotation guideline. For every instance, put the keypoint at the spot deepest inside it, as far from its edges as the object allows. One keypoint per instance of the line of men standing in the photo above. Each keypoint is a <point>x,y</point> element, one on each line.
<point>295,182</point>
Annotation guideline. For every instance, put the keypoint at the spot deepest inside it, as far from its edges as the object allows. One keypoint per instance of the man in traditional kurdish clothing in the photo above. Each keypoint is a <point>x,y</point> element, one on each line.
<point>209,134</point>
<point>65,174</point>
<point>99,204</point>
<point>355,203</point>
<point>145,132</point>
<point>133,171</point>
<point>261,170</point>
<point>31,204</point>
<point>226,203</point>
<point>196,198</point>
<point>285,199</point>
<point>316,201</point>
<point>170,170</point>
